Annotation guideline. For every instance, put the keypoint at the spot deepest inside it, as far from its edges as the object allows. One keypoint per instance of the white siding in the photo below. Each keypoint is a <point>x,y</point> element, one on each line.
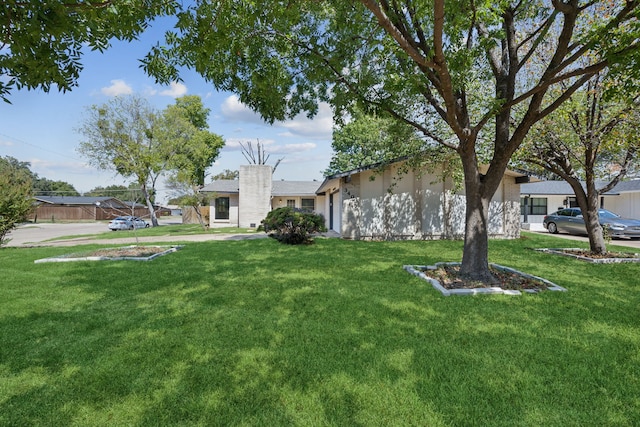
<point>420,207</point>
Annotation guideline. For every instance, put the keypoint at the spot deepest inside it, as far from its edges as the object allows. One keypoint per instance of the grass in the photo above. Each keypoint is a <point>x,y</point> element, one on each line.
<point>336,333</point>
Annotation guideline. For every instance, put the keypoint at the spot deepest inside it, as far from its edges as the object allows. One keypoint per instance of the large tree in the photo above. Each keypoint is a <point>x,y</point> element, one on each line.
<point>16,194</point>
<point>485,68</point>
<point>47,187</point>
<point>590,142</point>
<point>126,135</point>
<point>41,42</point>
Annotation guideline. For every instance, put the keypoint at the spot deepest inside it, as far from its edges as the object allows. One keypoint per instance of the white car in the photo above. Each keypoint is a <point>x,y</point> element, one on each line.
<point>127,223</point>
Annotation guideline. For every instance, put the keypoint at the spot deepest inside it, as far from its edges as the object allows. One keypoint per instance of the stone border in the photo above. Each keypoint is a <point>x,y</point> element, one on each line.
<point>417,270</point>
<point>560,251</point>
<point>106,258</point>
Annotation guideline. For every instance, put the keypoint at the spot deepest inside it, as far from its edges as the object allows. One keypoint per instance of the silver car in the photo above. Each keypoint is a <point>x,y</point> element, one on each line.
<point>570,221</point>
<point>127,223</point>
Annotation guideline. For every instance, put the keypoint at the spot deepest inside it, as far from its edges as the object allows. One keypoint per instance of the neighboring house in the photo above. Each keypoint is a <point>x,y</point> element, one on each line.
<point>541,198</point>
<point>367,204</point>
<point>246,201</point>
<point>72,208</point>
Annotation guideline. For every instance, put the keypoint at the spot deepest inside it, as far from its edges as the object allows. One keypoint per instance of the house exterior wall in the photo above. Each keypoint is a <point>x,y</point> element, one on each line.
<point>254,194</point>
<point>419,207</point>
<point>281,201</point>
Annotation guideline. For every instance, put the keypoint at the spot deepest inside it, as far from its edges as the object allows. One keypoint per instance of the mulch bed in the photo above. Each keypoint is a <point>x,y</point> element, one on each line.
<point>449,278</point>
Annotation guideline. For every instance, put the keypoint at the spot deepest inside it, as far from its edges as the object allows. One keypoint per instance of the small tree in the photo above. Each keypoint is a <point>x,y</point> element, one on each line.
<point>123,136</point>
<point>16,199</point>
<point>581,141</point>
<point>292,226</point>
<point>197,149</point>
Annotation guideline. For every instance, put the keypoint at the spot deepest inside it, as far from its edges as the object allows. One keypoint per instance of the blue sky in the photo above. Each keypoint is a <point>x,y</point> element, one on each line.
<point>41,128</point>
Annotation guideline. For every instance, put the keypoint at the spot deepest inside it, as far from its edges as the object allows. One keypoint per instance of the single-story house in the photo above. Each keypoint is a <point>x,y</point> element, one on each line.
<point>538,199</point>
<point>368,204</point>
<point>365,203</point>
<point>246,201</point>
<point>72,208</point>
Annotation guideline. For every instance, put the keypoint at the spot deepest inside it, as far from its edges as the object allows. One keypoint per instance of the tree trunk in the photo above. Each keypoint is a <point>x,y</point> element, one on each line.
<point>152,212</point>
<point>589,206</point>
<point>475,255</point>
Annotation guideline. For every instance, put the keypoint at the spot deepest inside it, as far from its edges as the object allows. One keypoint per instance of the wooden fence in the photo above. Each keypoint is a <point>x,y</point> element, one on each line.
<point>83,213</point>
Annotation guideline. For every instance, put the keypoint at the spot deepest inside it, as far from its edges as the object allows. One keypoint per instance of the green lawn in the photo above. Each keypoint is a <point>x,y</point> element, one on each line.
<point>257,333</point>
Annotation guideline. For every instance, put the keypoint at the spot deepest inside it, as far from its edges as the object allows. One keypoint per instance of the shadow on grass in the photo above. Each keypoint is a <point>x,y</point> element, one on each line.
<point>254,332</point>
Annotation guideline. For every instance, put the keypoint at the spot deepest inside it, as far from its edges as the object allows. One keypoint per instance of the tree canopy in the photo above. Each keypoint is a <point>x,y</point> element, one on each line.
<point>194,152</point>
<point>591,142</point>
<point>16,195</point>
<point>41,42</point>
<point>123,136</point>
<point>483,68</point>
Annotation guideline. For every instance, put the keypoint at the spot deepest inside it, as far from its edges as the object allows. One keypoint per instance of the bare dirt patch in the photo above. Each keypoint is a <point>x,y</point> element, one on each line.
<point>133,253</point>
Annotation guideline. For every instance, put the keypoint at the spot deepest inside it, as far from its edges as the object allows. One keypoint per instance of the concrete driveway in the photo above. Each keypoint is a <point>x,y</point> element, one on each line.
<point>539,228</point>
<point>44,234</point>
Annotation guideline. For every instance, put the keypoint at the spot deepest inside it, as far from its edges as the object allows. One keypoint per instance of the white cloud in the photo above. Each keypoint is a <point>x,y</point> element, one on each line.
<point>320,126</point>
<point>5,143</point>
<point>291,148</point>
<point>118,87</point>
<point>235,111</point>
<point>176,89</point>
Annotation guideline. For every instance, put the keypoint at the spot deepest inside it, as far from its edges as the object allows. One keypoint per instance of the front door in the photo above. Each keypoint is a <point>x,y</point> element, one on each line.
<point>331,211</point>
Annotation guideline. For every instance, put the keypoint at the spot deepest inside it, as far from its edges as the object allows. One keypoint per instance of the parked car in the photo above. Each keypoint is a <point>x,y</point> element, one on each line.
<point>127,223</point>
<point>570,221</point>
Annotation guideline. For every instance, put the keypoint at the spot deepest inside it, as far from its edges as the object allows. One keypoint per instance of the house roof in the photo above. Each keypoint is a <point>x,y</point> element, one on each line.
<point>332,180</point>
<point>223,186</point>
<point>278,188</point>
<point>294,188</point>
<point>80,200</point>
<point>562,188</point>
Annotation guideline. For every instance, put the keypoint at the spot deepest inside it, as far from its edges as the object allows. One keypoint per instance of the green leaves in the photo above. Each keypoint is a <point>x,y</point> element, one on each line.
<point>43,41</point>
<point>16,199</point>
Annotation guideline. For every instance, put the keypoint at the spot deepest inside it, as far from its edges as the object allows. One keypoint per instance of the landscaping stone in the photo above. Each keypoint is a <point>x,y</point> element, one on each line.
<point>127,253</point>
<point>418,270</point>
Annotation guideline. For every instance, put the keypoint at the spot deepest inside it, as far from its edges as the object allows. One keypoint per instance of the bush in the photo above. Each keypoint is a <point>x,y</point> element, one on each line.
<point>16,200</point>
<point>292,226</point>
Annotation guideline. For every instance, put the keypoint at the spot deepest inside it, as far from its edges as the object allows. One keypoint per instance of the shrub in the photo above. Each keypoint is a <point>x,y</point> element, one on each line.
<point>16,200</point>
<point>292,226</point>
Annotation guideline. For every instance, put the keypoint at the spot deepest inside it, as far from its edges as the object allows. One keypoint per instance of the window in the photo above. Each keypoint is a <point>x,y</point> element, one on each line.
<point>538,206</point>
<point>308,204</point>
<point>291,203</point>
<point>222,208</point>
<point>535,206</point>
